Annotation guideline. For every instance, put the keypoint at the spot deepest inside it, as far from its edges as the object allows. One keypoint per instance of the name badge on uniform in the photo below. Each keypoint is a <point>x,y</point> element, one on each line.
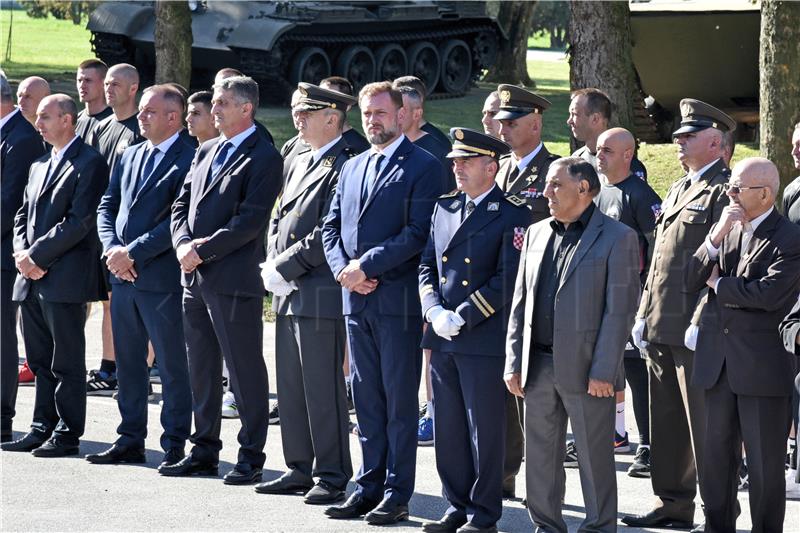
<point>493,206</point>
<point>455,205</point>
<point>696,207</point>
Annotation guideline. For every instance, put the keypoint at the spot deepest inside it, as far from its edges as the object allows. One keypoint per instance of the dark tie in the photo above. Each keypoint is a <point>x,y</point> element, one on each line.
<point>468,209</point>
<point>147,169</point>
<point>372,176</point>
<point>511,177</point>
<point>219,159</point>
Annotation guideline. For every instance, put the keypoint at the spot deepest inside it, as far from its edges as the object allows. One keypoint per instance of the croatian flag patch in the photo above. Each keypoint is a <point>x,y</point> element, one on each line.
<point>519,238</point>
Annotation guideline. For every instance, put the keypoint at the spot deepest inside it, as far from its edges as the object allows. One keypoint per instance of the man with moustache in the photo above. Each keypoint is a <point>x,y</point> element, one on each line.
<point>56,254</point>
<point>89,80</point>
<point>218,226</point>
<point>491,106</point>
<point>374,233</point>
<point>693,205</point>
<point>309,330</point>
<point>30,92</point>
<point>199,120</point>
<point>20,146</point>
<point>133,224</point>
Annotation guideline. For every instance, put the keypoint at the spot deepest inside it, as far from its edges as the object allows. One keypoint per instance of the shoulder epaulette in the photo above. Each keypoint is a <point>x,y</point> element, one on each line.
<point>516,200</point>
<point>450,194</point>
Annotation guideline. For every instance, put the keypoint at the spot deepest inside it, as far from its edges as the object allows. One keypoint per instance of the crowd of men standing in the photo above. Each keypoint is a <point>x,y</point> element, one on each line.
<point>536,284</point>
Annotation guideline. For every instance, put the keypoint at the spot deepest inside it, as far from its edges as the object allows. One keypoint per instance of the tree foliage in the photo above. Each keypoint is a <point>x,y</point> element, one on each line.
<point>552,18</point>
<point>76,11</point>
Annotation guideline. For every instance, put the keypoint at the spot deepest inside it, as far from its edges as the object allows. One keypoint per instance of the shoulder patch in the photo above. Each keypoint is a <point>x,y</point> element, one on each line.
<point>451,194</point>
<point>515,200</point>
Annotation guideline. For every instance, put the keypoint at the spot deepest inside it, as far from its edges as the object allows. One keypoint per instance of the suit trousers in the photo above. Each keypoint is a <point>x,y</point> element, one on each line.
<point>9,356</point>
<point>216,326</point>
<point>138,316</point>
<point>311,392</point>
<point>677,430</point>
<point>547,408</point>
<point>55,345</point>
<point>762,422</point>
<point>386,363</point>
<point>468,402</point>
<point>515,440</point>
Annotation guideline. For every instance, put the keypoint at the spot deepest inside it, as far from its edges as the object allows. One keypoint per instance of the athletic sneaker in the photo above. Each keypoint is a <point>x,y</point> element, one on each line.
<point>744,477</point>
<point>621,444</point>
<point>155,375</point>
<point>150,394</point>
<point>425,431</point>
<point>351,407</point>
<point>101,383</point>
<point>274,415</point>
<point>571,457</point>
<point>26,376</point>
<point>423,409</point>
<point>641,463</point>
<point>229,408</point>
<point>792,486</point>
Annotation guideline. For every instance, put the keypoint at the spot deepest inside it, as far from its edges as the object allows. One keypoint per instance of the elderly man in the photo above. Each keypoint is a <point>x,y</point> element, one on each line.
<point>677,408</point>
<point>29,94</point>
<point>491,126</point>
<point>224,74</point>
<point>133,224</point>
<point>55,250</point>
<point>20,146</point>
<point>218,226</point>
<point>751,263</point>
<point>574,301</point>
<point>89,81</point>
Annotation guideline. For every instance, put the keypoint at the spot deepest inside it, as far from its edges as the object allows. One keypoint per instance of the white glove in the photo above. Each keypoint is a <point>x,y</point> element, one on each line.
<point>690,337</point>
<point>636,333</point>
<point>433,312</point>
<point>447,324</point>
<point>274,281</point>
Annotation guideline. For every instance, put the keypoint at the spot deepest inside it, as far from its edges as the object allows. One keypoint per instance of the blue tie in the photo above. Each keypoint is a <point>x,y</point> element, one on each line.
<point>371,177</point>
<point>147,169</point>
<point>220,158</point>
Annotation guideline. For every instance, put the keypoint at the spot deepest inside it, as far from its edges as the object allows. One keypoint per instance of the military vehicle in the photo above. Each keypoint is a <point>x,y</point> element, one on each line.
<point>446,44</point>
<point>704,49</point>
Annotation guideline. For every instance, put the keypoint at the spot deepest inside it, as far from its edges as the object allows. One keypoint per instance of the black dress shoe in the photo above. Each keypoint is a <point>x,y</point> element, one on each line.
<point>171,457</point>
<point>323,493</point>
<point>26,443</point>
<point>449,523</point>
<point>355,507</point>
<point>656,519</point>
<point>118,454</point>
<point>387,513</point>
<point>188,466</point>
<point>469,527</point>
<point>286,484</point>
<point>509,494</point>
<point>55,448</point>
<point>243,474</point>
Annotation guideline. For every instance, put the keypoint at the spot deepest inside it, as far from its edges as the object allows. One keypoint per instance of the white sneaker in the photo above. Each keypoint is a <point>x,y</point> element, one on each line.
<point>229,409</point>
<point>792,486</point>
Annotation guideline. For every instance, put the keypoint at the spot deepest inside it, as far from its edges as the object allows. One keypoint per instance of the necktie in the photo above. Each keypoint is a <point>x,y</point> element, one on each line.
<point>511,177</point>
<point>220,158</point>
<point>468,209</point>
<point>147,169</point>
<point>372,175</point>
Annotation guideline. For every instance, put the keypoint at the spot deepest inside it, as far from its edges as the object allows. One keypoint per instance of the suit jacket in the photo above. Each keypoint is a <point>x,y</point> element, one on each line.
<point>469,267</point>
<point>595,303</point>
<point>683,224</point>
<point>789,328</point>
<point>232,211</point>
<point>388,232</point>
<point>140,221</point>
<point>295,235</point>
<point>20,146</point>
<point>529,184</point>
<point>739,324</point>
<point>56,224</point>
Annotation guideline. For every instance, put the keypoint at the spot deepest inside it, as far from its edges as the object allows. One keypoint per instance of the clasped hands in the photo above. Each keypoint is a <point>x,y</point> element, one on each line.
<point>120,263</point>
<point>188,256</point>
<point>447,324</point>
<point>27,267</point>
<point>274,282</point>
<point>354,279</point>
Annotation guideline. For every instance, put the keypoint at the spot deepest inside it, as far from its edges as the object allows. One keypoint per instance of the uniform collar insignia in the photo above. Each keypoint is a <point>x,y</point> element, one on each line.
<point>493,206</point>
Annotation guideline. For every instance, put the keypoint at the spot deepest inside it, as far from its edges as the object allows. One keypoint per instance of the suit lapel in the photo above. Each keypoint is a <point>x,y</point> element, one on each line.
<point>535,254</point>
<point>529,175</point>
<point>232,162</point>
<point>694,190</point>
<point>395,162</point>
<point>317,171</point>
<point>166,162</point>
<point>758,241</point>
<point>479,218</point>
<point>61,169</point>
<point>590,234</point>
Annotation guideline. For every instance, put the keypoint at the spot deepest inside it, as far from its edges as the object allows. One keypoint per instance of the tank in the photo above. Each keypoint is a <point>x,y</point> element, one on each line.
<point>446,44</point>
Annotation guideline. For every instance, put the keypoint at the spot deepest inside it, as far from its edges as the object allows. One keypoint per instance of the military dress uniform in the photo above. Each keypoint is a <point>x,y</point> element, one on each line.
<point>469,267</point>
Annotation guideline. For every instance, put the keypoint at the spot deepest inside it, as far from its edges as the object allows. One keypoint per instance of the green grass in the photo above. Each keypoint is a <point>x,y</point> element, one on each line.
<point>540,40</point>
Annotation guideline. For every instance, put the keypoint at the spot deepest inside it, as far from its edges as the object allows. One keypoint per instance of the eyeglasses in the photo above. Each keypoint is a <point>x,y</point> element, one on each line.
<point>736,189</point>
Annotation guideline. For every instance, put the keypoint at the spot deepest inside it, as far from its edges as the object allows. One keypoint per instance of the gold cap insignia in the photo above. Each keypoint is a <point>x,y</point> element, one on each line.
<point>459,134</point>
<point>505,96</point>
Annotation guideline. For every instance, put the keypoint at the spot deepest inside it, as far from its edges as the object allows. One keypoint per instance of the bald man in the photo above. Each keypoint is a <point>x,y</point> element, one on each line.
<point>29,93</point>
<point>751,262</point>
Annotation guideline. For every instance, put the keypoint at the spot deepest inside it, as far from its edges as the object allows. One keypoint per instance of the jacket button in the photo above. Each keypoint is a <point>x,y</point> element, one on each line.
<point>283,212</point>
<point>444,259</point>
<point>467,260</point>
<point>444,279</point>
<point>725,331</point>
<point>465,283</point>
<point>291,236</point>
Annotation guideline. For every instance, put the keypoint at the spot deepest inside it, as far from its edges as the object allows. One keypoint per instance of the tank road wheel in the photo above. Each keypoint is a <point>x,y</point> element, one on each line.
<point>456,66</point>
<point>423,62</point>
<point>391,61</point>
<point>311,65</point>
<point>357,64</point>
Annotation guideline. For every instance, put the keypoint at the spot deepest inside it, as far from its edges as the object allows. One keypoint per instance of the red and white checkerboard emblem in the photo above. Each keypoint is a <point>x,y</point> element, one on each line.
<point>519,238</point>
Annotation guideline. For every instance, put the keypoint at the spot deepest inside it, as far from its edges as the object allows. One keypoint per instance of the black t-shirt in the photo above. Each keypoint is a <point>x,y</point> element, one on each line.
<point>86,122</point>
<point>431,145</point>
<point>111,137</point>
<point>637,167</point>
<point>790,203</point>
<point>356,141</point>
<point>437,134</point>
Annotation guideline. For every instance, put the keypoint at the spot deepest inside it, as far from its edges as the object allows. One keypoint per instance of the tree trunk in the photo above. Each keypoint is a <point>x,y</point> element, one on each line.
<point>512,62</point>
<point>600,55</point>
<point>779,97</point>
<point>173,42</point>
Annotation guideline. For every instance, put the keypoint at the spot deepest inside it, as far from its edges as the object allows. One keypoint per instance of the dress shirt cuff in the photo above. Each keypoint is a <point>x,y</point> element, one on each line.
<point>713,252</point>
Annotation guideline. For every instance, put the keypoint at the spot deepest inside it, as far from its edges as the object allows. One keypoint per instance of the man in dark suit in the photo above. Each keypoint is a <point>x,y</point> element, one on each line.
<point>373,236</point>
<point>133,224</point>
<point>574,301</point>
<point>466,281</point>
<point>20,146</point>
<point>218,226</point>
<point>55,250</point>
<point>751,262</point>
<point>309,331</point>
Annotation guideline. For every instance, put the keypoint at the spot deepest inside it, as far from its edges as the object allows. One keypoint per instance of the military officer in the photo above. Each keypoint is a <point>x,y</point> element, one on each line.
<point>693,205</point>
<point>466,280</point>
<point>310,335</point>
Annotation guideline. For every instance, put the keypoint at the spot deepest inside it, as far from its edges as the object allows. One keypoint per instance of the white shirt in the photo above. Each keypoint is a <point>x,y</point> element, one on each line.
<point>162,149</point>
<point>6,118</point>
<point>696,176</point>
<point>57,155</point>
<point>236,141</point>
<point>477,200</point>
<point>523,163</point>
<point>387,152</point>
<point>316,154</point>
<point>748,228</point>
